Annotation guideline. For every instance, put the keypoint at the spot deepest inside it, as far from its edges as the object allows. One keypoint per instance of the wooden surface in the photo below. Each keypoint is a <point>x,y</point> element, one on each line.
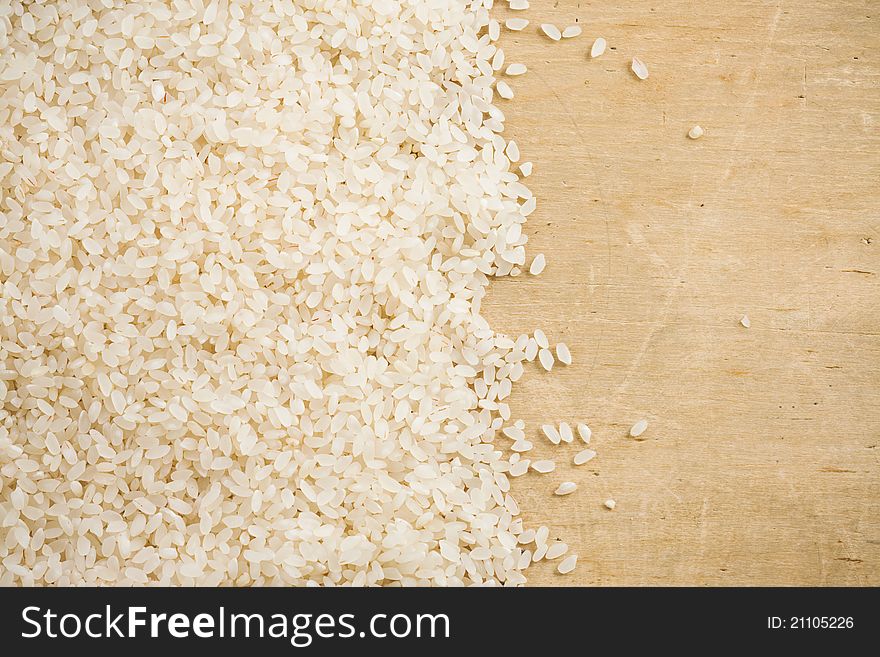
<point>761,464</point>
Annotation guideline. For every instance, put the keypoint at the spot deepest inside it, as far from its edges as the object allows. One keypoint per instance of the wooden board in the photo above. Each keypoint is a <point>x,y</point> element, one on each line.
<point>761,464</point>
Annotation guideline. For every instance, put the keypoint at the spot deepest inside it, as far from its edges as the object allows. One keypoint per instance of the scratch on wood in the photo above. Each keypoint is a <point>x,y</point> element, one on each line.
<point>750,101</point>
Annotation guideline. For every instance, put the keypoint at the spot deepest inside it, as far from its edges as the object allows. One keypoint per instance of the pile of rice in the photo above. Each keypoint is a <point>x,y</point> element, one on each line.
<point>243,249</point>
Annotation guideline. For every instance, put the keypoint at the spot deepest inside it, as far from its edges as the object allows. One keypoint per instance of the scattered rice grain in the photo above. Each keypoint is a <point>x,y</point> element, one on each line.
<point>563,353</point>
<point>541,339</point>
<point>555,550</point>
<point>638,428</point>
<point>516,24</point>
<point>543,466</point>
<point>584,432</point>
<point>584,456</point>
<point>565,432</point>
<point>551,31</point>
<point>538,264</point>
<point>567,565</point>
<point>546,359</point>
<point>639,68</point>
<point>552,433</point>
<point>503,89</point>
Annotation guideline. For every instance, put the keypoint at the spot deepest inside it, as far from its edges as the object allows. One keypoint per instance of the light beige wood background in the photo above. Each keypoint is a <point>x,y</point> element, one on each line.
<point>761,464</point>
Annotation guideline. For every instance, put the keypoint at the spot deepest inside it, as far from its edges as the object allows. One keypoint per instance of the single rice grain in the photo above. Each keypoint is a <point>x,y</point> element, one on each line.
<point>556,550</point>
<point>563,353</point>
<point>551,31</point>
<point>639,68</point>
<point>551,433</point>
<point>584,456</point>
<point>638,428</point>
<point>546,359</point>
<point>538,264</point>
<point>565,432</point>
<point>567,565</point>
<point>584,432</point>
<point>503,89</point>
<point>543,466</point>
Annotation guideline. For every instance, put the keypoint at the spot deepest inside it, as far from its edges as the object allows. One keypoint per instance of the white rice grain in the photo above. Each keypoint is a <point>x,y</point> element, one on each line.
<point>551,433</point>
<point>522,446</point>
<point>543,466</point>
<point>584,456</point>
<point>551,31</point>
<point>584,432</point>
<point>512,151</point>
<point>565,432</point>
<point>538,265</point>
<point>519,468</point>
<point>516,24</point>
<point>541,339</point>
<point>514,432</point>
<point>638,428</point>
<point>639,68</point>
<point>503,89</point>
<point>563,353</point>
<point>494,30</point>
<point>567,565</point>
<point>531,350</point>
<point>546,359</point>
<point>555,550</point>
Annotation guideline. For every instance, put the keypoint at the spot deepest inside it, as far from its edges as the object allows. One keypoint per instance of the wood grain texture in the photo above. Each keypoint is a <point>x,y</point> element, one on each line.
<point>761,464</point>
